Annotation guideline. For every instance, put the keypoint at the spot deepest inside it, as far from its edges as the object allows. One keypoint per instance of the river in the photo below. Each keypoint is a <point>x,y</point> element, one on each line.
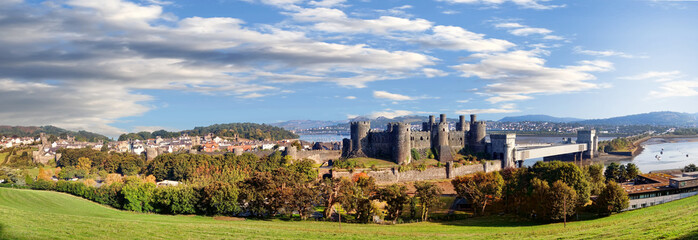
<point>673,153</point>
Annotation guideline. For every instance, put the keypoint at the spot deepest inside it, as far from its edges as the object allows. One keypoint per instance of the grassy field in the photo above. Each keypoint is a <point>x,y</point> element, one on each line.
<point>29,214</point>
<point>2,157</point>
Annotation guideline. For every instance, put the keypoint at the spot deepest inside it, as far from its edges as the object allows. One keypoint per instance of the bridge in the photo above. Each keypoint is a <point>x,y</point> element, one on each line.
<point>503,147</point>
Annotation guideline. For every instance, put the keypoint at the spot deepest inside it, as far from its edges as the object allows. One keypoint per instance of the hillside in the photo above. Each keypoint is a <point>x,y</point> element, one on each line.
<point>242,130</point>
<point>539,118</point>
<point>31,131</point>
<point>653,118</point>
<point>29,214</point>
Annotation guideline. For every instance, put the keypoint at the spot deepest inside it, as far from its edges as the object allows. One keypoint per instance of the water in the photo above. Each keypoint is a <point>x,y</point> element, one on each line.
<point>673,157</point>
<point>324,138</point>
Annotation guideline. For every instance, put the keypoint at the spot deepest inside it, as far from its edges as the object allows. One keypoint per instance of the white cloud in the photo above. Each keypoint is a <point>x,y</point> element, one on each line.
<point>450,12</point>
<point>505,108</point>
<point>518,29</point>
<point>391,96</point>
<point>350,97</point>
<point>605,53</point>
<point>676,89</point>
<point>655,75</point>
<point>431,72</point>
<point>532,4</point>
<point>335,20</point>
<point>513,75</point>
<point>457,38</point>
<point>328,3</point>
<point>463,101</point>
<point>507,98</point>
<point>391,113</point>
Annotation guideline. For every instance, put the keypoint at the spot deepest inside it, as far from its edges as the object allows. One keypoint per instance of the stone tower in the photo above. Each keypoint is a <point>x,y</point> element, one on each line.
<point>462,125</point>
<point>401,145</point>
<point>359,134</point>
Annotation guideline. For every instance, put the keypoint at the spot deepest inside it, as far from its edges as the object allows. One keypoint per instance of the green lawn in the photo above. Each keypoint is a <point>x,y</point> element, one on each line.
<point>29,214</point>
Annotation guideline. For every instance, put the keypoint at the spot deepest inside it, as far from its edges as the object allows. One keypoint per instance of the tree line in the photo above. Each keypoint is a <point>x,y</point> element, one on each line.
<point>548,191</point>
<point>243,130</point>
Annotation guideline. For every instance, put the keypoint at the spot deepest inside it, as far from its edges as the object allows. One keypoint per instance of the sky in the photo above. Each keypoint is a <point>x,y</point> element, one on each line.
<point>115,66</point>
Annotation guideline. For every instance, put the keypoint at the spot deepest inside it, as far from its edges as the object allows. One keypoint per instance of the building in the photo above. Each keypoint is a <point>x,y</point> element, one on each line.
<point>398,140</point>
<point>657,188</point>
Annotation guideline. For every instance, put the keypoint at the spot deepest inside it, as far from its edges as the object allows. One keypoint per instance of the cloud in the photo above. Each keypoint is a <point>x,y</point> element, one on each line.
<point>431,72</point>
<point>506,108</point>
<point>350,97</point>
<point>328,3</point>
<point>391,96</point>
<point>388,113</point>
<point>95,56</point>
<point>516,74</point>
<point>605,53</point>
<point>457,38</point>
<point>335,20</point>
<point>518,29</point>
<point>676,89</point>
<point>532,4</point>
<point>655,75</point>
<point>507,98</point>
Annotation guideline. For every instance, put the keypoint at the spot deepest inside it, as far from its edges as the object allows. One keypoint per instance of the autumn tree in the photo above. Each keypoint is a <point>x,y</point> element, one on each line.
<point>44,175</point>
<point>84,164</point>
<point>562,199</point>
<point>596,178</point>
<point>480,189</point>
<point>429,195</point>
<point>395,196</point>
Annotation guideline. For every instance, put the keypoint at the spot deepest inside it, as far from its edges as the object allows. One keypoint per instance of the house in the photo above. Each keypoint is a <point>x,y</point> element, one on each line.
<point>211,146</point>
<point>168,183</point>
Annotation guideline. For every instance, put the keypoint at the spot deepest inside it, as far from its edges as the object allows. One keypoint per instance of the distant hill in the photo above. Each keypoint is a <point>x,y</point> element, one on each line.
<point>293,125</point>
<point>653,118</point>
<point>243,130</point>
<point>539,118</point>
<point>32,131</point>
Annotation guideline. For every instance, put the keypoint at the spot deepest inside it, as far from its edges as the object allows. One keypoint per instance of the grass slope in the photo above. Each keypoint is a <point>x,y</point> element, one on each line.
<point>28,214</point>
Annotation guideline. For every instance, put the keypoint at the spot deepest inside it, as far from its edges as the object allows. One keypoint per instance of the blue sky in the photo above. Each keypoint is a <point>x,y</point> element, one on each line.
<point>116,66</point>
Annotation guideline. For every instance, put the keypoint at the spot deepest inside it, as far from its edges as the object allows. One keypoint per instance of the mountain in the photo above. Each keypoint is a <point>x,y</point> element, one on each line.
<point>676,119</point>
<point>294,125</point>
<point>243,130</point>
<point>32,131</point>
<point>539,118</point>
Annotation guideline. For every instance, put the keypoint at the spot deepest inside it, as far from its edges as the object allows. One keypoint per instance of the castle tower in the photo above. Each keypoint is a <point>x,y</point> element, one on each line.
<point>478,132</point>
<point>359,136</point>
<point>461,125</point>
<point>442,135</point>
<point>443,118</point>
<point>401,146</point>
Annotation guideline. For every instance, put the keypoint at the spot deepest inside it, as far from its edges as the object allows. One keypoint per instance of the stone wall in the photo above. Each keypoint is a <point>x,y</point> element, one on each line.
<point>319,156</point>
<point>389,176</point>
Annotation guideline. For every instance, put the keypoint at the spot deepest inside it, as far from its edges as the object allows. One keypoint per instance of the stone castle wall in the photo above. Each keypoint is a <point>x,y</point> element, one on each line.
<point>389,176</point>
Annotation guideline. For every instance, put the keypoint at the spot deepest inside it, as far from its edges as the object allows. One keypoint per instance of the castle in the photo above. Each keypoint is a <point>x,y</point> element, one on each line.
<point>398,140</point>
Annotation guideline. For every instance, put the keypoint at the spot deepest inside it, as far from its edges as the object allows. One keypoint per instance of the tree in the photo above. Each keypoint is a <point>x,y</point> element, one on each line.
<point>612,199</point>
<point>220,198</point>
<point>84,164</point>
<point>539,198</point>
<point>480,189</point>
<point>429,195</point>
<point>138,195</point>
<point>690,168</point>
<point>562,198</point>
<point>595,177</point>
<point>631,171</point>
<point>612,172</point>
<point>44,175</point>
<point>622,174</point>
<point>567,172</point>
<point>395,196</point>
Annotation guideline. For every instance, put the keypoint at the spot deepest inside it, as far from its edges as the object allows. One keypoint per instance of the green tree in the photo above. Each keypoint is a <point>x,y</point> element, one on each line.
<point>562,199</point>
<point>612,199</point>
<point>480,189</point>
<point>220,198</point>
<point>596,178</point>
<point>612,172</point>
<point>567,172</point>
<point>395,196</point>
<point>690,168</point>
<point>138,195</point>
<point>631,171</point>
<point>429,195</point>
